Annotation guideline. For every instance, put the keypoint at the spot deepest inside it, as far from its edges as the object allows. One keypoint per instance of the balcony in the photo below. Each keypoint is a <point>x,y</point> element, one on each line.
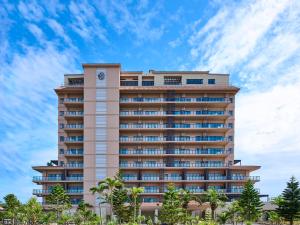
<point>73,114</point>
<point>73,165</point>
<point>174,100</point>
<point>147,83</point>
<point>70,127</point>
<point>187,139</point>
<point>174,165</point>
<point>189,126</point>
<point>56,179</point>
<point>242,178</point>
<point>73,139</point>
<point>216,177</point>
<point>73,100</point>
<point>160,152</point>
<point>40,192</point>
<point>74,152</point>
<point>176,113</point>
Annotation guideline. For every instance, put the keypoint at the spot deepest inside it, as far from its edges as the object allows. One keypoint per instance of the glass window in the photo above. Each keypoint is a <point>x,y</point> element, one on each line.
<point>194,81</point>
<point>211,81</point>
<point>61,151</point>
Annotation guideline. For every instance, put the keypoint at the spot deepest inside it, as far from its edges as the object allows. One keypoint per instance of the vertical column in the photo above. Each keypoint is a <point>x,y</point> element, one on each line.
<point>101,126</point>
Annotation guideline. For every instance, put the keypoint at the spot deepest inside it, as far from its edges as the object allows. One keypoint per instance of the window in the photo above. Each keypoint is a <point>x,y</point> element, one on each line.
<point>168,80</point>
<point>230,125</point>
<point>61,138</point>
<point>211,81</point>
<point>61,125</point>
<point>194,81</point>
<point>61,113</point>
<point>230,112</point>
<point>61,151</point>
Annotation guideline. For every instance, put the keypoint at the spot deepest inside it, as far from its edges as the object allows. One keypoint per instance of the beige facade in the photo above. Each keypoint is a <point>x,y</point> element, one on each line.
<point>157,128</point>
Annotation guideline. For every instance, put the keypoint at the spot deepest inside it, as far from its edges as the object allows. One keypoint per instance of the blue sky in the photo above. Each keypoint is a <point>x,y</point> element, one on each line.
<point>257,42</point>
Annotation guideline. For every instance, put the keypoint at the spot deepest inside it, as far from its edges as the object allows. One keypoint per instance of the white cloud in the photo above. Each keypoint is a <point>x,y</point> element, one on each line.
<point>258,42</point>
<point>28,103</point>
<point>138,20</point>
<point>31,10</point>
<point>37,32</point>
<point>59,30</point>
<point>233,32</point>
<point>86,22</point>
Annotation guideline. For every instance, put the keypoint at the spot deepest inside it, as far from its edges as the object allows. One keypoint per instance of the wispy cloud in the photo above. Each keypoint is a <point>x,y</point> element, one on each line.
<point>85,21</point>
<point>31,10</point>
<point>139,20</point>
<point>259,43</point>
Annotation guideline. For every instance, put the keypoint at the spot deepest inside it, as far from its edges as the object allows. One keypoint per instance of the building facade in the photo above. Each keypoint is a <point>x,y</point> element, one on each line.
<point>156,128</point>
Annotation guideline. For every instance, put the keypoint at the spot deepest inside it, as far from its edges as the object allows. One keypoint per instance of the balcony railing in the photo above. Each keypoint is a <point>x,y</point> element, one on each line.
<point>73,165</point>
<point>173,125</point>
<point>210,151</point>
<point>70,100</point>
<point>160,165</point>
<point>253,178</point>
<point>41,178</point>
<point>68,191</point>
<point>74,152</point>
<point>174,138</point>
<point>173,113</point>
<point>74,139</point>
<point>73,113</point>
<point>180,99</point>
<point>73,126</point>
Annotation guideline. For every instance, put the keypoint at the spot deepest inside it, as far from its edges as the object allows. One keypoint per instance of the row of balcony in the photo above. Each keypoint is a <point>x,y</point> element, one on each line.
<point>173,125</point>
<point>179,99</point>
<point>188,177</point>
<point>175,138</point>
<point>175,112</point>
<point>153,151</point>
<point>71,126</point>
<point>71,113</point>
<point>68,191</point>
<point>72,100</point>
<point>56,178</point>
<point>174,164</point>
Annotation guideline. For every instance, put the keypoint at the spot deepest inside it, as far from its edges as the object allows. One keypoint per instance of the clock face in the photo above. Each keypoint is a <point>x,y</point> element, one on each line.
<point>101,75</point>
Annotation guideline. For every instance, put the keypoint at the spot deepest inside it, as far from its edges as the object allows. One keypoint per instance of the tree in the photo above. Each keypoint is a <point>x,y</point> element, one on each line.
<point>274,218</point>
<point>172,210</point>
<point>135,191</point>
<point>11,207</point>
<point>85,216</point>
<point>234,211</point>
<point>122,209</point>
<point>59,200</point>
<point>33,212</point>
<point>223,217</point>
<point>251,206</point>
<point>106,187</point>
<point>215,199</point>
<point>289,208</point>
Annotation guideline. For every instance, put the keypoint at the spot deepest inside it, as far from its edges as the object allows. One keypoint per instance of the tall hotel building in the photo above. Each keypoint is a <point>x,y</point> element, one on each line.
<point>156,128</point>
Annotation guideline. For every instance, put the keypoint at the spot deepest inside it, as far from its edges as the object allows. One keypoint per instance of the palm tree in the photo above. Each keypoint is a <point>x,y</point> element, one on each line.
<point>223,218</point>
<point>105,188</point>
<point>135,191</point>
<point>215,199</point>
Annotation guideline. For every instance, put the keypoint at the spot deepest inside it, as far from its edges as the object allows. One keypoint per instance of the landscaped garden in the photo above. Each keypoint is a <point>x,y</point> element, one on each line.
<point>124,206</point>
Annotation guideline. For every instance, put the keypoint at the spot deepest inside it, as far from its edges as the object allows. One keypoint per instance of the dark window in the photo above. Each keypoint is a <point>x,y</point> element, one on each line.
<point>61,113</point>
<point>230,138</point>
<point>61,138</point>
<point>230,125</point>
<point>61,151</point>
<point>62,163</point>
<point>194,81</point>
<point>147,83</point>
<point>230,112</point>
<point>61,100</point>
<point>211,81</point>
<point>231,100</point>
<point>61,125</point>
